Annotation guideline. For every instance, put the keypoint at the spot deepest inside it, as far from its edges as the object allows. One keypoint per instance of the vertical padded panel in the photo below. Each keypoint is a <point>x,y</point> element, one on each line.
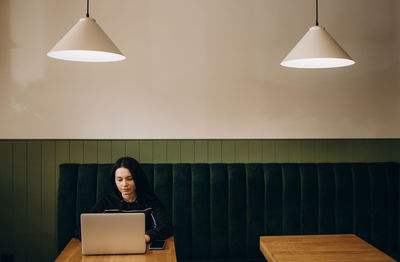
<point>344,198</point>
<point>255,208</point>
<point>309,199</point>
<point>163,185</point>
<point>291,199</point>
<point>378,205</point>
<point>86,189</point>
<point>200,211</point>
<point>362,201</point>
<point>104,186</point>
<point>326,185</point>
<point>66,204</point>
<point>237,210</point>
<point>149,171</point>
<point>397,196</point>
<point>218,210</point>
<point>181,214</point>
<point>273,199</point>
<point>391,174</point>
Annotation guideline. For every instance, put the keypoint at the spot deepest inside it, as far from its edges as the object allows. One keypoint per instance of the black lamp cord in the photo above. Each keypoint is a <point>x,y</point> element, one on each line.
<point>87,8</point>
<point>316,12</point>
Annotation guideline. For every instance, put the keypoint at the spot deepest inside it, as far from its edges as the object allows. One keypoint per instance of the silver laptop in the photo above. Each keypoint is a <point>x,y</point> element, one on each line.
<point>114,233</point>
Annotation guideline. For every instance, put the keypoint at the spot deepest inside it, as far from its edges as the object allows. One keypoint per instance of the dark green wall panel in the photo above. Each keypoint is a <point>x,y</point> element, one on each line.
<point>48,212</point>
<point>118,149</point>
<point>173,151</point>
<point>268,151</point>
<point>215,151</point>
<point>321,151</point>
<point>307,150</point>
<point>146,151</point>
<point>255,151</point>
<point>132,149</point>
<point>187,151</point>
<point>160,151</point>
<point>228,151</point>
<point>20,200</point>
<point>201,151</point>
<point>6,192</point>
<point>282,151</point>
<point>76,151</point>
<point>295,151</point>
<point>242,151</point>
<point>90,151</point>
<point>34,201</point>
<point>104,151</point>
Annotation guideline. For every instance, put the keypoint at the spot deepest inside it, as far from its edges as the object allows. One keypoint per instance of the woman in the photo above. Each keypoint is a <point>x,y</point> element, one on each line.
<point>132,191</point>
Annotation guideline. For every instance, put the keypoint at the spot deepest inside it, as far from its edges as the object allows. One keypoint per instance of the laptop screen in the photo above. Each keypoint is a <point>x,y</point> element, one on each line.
<point>113,233</point>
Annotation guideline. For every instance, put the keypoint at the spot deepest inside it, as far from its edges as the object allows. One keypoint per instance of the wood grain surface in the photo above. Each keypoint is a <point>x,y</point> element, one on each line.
<point>319,248</point>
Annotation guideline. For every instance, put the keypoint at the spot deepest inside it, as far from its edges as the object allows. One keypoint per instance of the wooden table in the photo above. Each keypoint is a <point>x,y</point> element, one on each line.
<point>73,252</point>
<point>319,248</point>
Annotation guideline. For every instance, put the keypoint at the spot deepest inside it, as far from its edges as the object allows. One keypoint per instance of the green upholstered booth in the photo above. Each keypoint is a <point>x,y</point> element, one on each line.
<point>220,210</point>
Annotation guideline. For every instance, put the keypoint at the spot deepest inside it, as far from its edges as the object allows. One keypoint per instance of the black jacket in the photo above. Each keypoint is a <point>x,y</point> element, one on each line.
<point>158,226</point>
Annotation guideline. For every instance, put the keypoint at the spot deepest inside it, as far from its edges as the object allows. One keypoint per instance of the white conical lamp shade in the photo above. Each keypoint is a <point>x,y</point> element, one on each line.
<point>86,42</point>
<point>317,49</point>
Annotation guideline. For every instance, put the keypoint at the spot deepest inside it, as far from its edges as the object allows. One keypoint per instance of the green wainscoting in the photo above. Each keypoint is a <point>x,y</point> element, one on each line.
<point>29,173</point>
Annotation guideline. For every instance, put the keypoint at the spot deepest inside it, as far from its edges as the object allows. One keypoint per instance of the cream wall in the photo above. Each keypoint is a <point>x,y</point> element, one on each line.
<point>199,69</point>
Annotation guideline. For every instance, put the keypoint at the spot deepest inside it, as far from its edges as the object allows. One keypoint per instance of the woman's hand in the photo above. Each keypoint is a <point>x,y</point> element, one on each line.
<point>147,238</point>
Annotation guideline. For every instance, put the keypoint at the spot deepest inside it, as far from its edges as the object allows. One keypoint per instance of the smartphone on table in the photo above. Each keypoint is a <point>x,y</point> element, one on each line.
<point>157,244</point>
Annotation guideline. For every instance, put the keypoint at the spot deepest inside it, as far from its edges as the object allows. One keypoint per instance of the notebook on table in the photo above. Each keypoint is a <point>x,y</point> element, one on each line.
<point>113,233</point>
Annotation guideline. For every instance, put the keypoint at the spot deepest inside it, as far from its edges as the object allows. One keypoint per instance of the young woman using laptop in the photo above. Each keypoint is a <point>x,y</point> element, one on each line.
<point>132,193</point>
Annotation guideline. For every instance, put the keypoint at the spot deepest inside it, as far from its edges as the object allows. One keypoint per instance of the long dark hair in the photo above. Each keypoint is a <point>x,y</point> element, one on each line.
<point>143,188</point>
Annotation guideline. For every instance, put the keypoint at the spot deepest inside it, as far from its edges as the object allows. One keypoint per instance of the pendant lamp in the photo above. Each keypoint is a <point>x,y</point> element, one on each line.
<point>86,42</point>
<point>317,49</point>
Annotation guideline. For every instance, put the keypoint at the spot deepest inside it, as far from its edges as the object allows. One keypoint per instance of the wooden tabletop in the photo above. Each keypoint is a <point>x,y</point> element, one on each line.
<point>319,248</point>
<point>73,253</point>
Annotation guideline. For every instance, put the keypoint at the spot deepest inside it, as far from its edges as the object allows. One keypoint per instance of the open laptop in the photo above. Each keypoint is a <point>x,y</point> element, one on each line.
<point>113,233</point>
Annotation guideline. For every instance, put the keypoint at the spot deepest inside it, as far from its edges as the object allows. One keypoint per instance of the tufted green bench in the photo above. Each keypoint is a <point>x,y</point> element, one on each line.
<point>220,210</point>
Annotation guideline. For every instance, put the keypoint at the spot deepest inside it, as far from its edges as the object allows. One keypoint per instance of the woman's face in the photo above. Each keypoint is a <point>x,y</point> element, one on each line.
<point>125,183</point>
